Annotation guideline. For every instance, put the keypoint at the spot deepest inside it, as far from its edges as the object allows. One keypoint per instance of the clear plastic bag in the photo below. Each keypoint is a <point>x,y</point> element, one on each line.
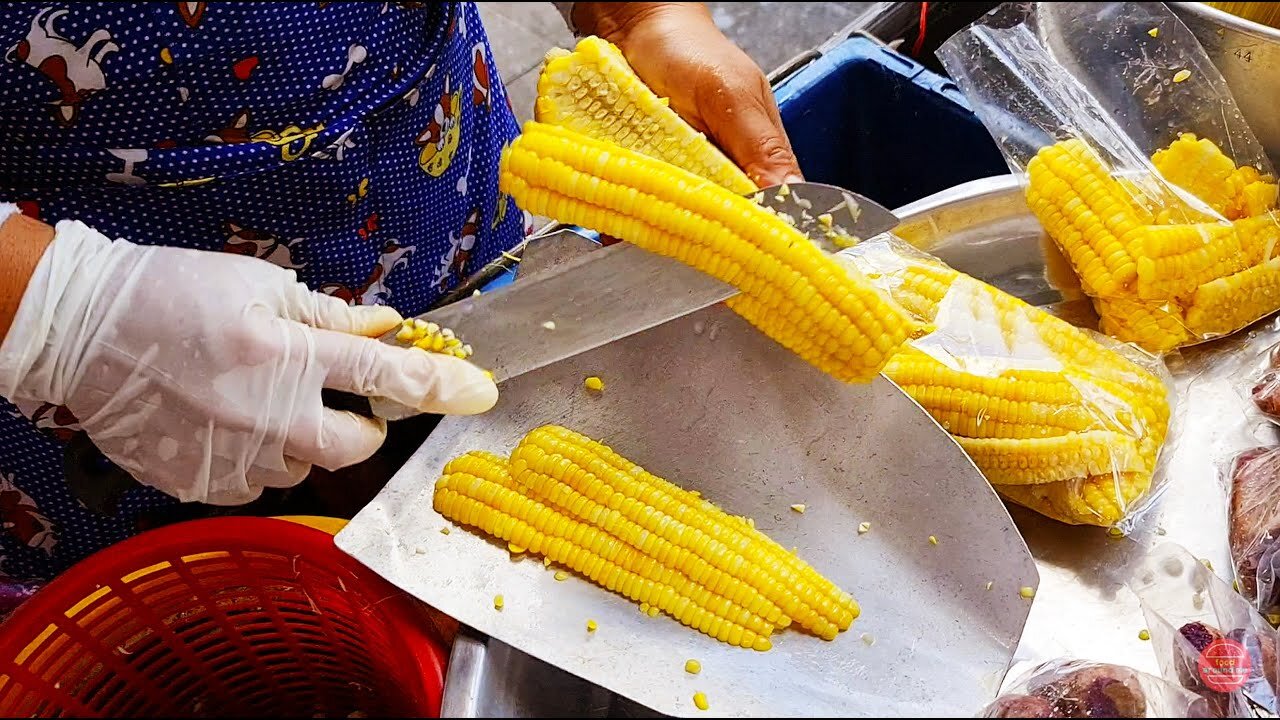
<point>1081,689</point>
<point>1061,420</point>
<point>1253,517</point>
<point>1265,393</point>
<point>1207,638</point>
<point>1136,160</point>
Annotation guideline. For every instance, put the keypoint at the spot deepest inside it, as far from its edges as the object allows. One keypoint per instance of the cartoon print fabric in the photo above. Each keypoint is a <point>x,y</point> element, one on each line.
<point>355,143</point>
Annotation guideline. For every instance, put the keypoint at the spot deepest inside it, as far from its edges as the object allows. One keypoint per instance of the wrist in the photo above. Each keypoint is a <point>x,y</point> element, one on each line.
<point>23,242</point>
<point>613,21</point>
<point>52,325</point>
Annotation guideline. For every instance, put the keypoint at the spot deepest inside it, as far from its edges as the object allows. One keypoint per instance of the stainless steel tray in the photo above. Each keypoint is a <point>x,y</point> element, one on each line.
<point>1083,608</point>
<point>710,401</point>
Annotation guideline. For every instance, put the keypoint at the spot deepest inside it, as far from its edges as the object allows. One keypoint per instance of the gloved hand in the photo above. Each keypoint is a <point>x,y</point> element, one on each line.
<point>200,373</point>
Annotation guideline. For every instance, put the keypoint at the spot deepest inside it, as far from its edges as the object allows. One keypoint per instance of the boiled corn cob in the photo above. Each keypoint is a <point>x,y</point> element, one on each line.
<point>582,505</point>
<point>1229,303</point>
<point>1040,460</point>
<point>789,288</point>
<point>1148,248</point>
<point>432,338</point>
<point>593,91</point>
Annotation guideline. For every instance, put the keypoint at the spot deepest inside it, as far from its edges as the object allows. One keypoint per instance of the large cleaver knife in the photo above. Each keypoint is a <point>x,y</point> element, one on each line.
<point>620,290</point>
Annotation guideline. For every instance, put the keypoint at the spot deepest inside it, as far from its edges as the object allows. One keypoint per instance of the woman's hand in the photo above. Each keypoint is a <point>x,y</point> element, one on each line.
<point>201,373</point>
<point>679,52</point>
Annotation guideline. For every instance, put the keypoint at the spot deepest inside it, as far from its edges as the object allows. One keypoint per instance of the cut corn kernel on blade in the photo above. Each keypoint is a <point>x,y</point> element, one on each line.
<point>706,410</point>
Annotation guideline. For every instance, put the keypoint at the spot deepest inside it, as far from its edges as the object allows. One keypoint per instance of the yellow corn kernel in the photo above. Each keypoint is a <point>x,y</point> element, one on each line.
<point>720,545</point>
<point>1181,75</point>
<point>1144,634</point>
<point>1198,166</point>
<point>1154,32</point>
<point>432,338</point>
<point>1027,592</point>
<point>1226,304</point>
<point>498,602</point>
<point>480,502</point>
<point>933,540</point>
<point>592,626</point>
<point>798,507</point>
<point>1043,460</point>
<point>700,701</point>
<point>789,288</point>
<point>864,528</point>
<point>594,384</point>
<point>556,480</point>
<point>693,667</point>
<point>444,531</point>
<point>1101,500</point>
<point>593,91</point>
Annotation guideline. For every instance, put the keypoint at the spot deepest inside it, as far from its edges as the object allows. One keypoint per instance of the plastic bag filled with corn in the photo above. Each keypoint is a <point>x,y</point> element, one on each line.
<point>1061,420</point>
<point>1137,162</point>
<point>1193,615</point>
<point>580,505</point>
<point>1083,689</point>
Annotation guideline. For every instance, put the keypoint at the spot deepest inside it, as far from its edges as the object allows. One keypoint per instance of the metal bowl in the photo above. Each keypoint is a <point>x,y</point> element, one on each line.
<point>1248,56</point>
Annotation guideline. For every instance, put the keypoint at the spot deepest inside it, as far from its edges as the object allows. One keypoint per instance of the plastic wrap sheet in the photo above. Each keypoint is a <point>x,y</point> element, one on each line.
<point>1136,160</point>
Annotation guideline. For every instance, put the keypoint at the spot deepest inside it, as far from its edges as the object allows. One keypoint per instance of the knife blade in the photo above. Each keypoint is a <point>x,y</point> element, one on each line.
<point>616,291</point>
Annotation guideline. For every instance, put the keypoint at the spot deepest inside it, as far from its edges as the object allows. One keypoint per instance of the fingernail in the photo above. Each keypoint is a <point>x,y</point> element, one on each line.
<point>793,178</point>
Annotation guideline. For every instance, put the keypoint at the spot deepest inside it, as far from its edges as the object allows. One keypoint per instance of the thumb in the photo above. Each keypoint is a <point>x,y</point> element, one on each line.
<point>751,134</point>
<point>426,382</point>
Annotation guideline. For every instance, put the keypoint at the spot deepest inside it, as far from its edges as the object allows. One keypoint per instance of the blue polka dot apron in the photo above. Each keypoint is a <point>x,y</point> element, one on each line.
<point>356,143</point>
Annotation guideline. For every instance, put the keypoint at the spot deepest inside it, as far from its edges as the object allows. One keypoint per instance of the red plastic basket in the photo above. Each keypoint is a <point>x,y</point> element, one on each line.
<point>222,617</point>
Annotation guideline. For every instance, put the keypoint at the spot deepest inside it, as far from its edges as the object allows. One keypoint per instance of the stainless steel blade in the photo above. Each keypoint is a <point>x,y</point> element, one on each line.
<point>609,293</point>
<point>824,212</point>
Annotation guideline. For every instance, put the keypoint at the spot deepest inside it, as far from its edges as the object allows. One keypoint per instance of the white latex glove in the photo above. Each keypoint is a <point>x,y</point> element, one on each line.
<point>200,373</point>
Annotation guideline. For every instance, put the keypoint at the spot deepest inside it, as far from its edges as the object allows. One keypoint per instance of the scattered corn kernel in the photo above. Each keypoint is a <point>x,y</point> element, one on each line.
<point>546,562</point>
<point>591,626</point>
<point>699,699</point>
<point>515,549</point>
<point>693,667</point>
<point>1144,634</point>
<point>784,191</point>
<point>561,576</point>
<point>549,325</point>
<point>1181,75</point>
<point>864,528</point>
<point>825,220</point>
<point>1115,533</point>
<point>933,540</point>
<point>798,507</point>
<point>1205,562</point>
<point>868,639</point>
<point>444,531</point>
<point>1154,32</point>
<point>594,384</point>
<point>498,602</point>
<point>1027,592</point>
<point>488,374</point>
<point>990,584</point>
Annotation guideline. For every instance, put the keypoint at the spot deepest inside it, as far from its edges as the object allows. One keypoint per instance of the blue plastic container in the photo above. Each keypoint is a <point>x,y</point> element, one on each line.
<point>865,118</point>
